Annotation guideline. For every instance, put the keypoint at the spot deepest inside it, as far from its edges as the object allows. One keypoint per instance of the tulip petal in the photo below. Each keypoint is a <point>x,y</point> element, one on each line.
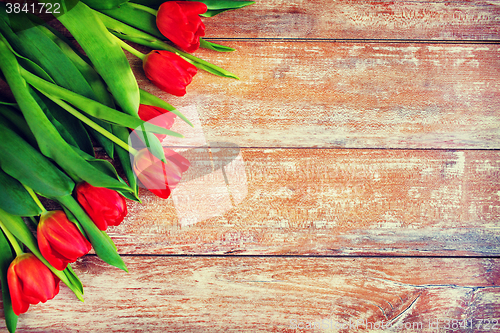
<point>158,177</point>
<point>150,40</point>
<point>157,116</point>
<point>18,304</point>
<point>49,254</point>
<point>169,72</point>
<point>30,282</point>
<point>59,239</point>
<point>179,21</point>
<point>104,206</point>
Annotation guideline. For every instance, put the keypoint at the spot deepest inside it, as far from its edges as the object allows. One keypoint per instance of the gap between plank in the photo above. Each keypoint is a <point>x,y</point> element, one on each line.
<point>347,40</point>
<point>305,256</point>
<point>342,148</point>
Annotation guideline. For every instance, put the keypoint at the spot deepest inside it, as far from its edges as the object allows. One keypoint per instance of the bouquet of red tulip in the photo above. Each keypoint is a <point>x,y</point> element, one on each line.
<point>66,102</point>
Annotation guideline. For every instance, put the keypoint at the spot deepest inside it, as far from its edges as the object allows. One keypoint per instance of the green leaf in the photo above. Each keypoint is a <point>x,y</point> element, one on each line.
<point>151,142</point>
<point>42,102</point>
<point>150,99</point>
<point>206,66</point>
<point>94,108</point>
<point>73,219</point>
<point>10,38</point>
<point>63,65</point>
<point>41,49</point>
<point>24,163</point>
<point>212,13</point>
<point>225,4</point>
<point>137,18</point>
<point>51,55</point>
<point>14,198</point>
<point>104,4</point>
<point>129,33</point>
<point>106,55</point>
<point>108,168</point>
<point>102,246</point>
<point>95,83</point>
<point>72,126</point>
<point>124,157</point>
<point>50,143</point>
<point>83,64</point>
<point>104,142</point>
<point>6,257</point>
<point>110,241</point>
<point>100,164</point>
<point>18,123</point>
<point>73,278</point>
<point>216,47</point>
<point>20,230</point>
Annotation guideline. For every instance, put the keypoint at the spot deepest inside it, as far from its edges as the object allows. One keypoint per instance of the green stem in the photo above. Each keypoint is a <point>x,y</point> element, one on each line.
<point>157,44</point>
<point>129,48</point>
<point>127,32</point>
<point>143,8</point>
<point>92,124</point>
<point>92,107</point>
<point>35,198</point>
<point>13,241</point>
<point>9,104</point>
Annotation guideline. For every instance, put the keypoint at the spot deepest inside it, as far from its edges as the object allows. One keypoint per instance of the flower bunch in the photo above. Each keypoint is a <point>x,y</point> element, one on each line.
<point>66,103</point>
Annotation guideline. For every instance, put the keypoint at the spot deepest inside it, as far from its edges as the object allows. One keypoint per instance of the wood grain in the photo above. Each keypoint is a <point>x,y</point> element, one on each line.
<point>352,176</point>
<point>359,19</point>
<point>247,294</point>
<point>348,95</point>
<point>323,201</point>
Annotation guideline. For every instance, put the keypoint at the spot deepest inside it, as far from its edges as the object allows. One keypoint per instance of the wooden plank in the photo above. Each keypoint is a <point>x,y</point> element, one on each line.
<point>247,294</point>
<point>349,95</point>
<point>323,201</point>
<point>432,20</point>
<point>261,190</point>
<point>360,19</point>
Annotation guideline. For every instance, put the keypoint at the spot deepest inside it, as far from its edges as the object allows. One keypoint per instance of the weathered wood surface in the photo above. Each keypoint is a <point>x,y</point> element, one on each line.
<point>340,20</point>
<point>323,201</point>
<point>359,130</point>
<point>273,294</point>
<point>349,95</point>
<point>359,19</point>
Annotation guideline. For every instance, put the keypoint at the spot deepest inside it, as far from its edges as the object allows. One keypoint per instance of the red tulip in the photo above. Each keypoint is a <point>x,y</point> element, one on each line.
<point>30,282</point>
<point>104,206</point>
<point>158,177</point>
<point>157,116</point>
<point>168,71</point>
<point>179,21</point>
<point>59,239</point>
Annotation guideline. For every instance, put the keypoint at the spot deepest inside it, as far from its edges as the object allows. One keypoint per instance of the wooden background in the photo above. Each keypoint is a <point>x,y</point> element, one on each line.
<point>352,174</point>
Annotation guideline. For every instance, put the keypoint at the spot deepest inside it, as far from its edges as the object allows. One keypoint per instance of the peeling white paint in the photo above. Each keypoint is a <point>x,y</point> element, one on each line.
<point>458,167</point>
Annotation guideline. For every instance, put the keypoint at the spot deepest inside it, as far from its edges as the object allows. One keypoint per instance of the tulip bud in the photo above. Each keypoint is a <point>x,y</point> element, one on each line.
<point>168,71</point>
<point>104,206</point>
<point>179,21</point>
<point>157,116</point>
<point>59,239</point>
<point>30,282</point>
<point>159,177</point>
